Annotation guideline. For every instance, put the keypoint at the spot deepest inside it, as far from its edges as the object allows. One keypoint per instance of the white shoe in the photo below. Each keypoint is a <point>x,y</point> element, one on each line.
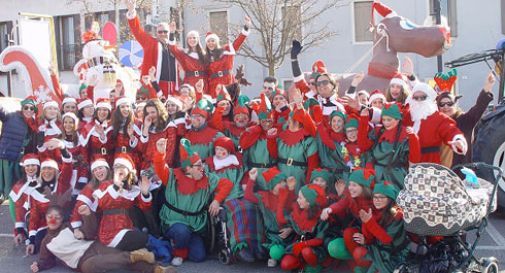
<point>271,263</point>
<point>177,261</point>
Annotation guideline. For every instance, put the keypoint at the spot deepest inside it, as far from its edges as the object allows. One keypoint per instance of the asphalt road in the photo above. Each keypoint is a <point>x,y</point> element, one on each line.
<point>13,259</point>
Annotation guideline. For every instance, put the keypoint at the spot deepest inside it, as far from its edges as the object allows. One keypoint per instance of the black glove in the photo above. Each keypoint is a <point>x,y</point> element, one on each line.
<point>296,49</point>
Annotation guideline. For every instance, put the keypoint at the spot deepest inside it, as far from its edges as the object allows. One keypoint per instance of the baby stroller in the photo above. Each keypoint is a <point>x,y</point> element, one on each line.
<point>438,211</point>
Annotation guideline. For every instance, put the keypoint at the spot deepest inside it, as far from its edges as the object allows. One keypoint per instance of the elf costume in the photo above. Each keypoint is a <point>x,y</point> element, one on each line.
<point>202,138</point>
<point>230,128</point>
<point>296,151</point>
<point>243,220</point>
<point>391,150</point>
<point>307,250</point>
<point>184,214</point>
<point>386,240</point>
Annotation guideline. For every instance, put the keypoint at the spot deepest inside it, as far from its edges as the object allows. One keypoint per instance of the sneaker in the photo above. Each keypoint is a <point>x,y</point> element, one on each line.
<point>245,256</point>
<point>165,269</point>
<point>271,263</point>
<point>142,255</point>
<point>177,261</point>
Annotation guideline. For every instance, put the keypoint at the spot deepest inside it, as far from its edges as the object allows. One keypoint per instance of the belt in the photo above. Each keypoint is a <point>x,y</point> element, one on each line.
<point>196,74</point>
<point>291,162</point>
<point>115,212</point>
<point>102,151</point>
<point>186,213</point>
<point>430,149</point>
<point>123,149</point>
<point>261,165</point>
<point>219,74</point>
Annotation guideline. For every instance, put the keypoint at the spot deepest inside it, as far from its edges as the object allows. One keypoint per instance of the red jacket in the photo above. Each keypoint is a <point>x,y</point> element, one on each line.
<point>19,194</point>
<point>85,197</point>
<point>149,144</point>
<point>194,68</point>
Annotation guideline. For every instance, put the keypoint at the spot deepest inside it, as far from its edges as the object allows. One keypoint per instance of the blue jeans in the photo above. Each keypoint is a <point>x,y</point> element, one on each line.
<point>182,237</point>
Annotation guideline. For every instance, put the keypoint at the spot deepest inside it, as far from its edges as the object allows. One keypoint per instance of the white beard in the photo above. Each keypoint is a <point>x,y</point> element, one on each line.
<point>420,111</point>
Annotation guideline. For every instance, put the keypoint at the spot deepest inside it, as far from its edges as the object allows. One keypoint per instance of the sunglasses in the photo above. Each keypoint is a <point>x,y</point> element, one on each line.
<point>323,82</point>
<point>31,108</point>
<point>442,104</point>
<point>162,31</point>
<point>420,98</point>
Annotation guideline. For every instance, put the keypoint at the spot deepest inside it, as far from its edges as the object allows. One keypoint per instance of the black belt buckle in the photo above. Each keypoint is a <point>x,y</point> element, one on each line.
<point>220,74</point>
<point>103,151</point>
<point>123,149</point>
<point>196,74</point>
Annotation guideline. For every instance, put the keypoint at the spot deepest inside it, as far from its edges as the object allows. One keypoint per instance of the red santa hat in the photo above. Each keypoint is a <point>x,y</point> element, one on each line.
<point>226,143</point>
<point>211,35</point>
<point>175,101</point>
<point>426,89</point>
<point>365,93</point>
<point>382,9</point>
<point>123,100</point>
<point>84,103</point>
<point>104,103</point>
<point>29,159</point>
<point>376,94</point>
<point>193,33</point>
<point>50,103</point>
<point>49,163</point>
<point>68,100</point>
<point>99,162</point>
<point>72,116</point>
<point>125,160</point>
<point>398,80</point>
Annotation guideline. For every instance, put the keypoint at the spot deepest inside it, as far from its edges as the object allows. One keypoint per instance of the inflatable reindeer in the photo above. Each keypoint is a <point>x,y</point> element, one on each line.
<point>394,34</point>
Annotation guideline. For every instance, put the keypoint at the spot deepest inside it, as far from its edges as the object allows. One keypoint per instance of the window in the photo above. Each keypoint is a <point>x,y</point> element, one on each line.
<point>218,21</point>
<point>5,34</point>
<point>291,15</point>
<point>362,18</point>
<point>448,8</point>
<point>68,41</point>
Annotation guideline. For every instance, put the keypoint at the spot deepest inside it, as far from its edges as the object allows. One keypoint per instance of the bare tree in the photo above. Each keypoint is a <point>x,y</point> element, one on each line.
<point>278,22</point>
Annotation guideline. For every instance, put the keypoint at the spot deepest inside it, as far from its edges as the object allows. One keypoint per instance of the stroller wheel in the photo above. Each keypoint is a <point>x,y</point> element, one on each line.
<point>403,268</point>
<point>492,267</point>
<point>224,256</point>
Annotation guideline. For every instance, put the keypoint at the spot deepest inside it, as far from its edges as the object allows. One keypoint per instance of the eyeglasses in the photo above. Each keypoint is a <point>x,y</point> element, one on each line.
<point>420,98</point>
<point>449,103</point>
<point>30,108</point>
<point>323,82</point>
<point>162,31</point>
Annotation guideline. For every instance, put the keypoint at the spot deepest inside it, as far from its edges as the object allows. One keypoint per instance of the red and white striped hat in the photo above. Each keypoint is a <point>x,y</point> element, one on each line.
<point>30,159</point>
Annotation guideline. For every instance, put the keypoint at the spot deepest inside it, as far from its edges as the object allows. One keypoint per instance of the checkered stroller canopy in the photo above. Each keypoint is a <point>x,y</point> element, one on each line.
<point>435,201</point>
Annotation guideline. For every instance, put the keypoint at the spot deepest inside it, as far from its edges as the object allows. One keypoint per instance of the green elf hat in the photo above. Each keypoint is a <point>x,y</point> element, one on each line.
<point>337,113</point>
<point>323,173</point>
<point>30,100</point>
<point>187,155</point>
<point>264,109</point>
<point>273,177</point>
<point>314,194</point>
<point>391,110</point>
<point>241,107</point>
<point>388,189</point>
<point>203,108</point>
<point>309,103</point>
<point>82,86</point>
<point>363,177</point>
<point>223,95</point>
<point>143,91</point>
<point>351,122</point>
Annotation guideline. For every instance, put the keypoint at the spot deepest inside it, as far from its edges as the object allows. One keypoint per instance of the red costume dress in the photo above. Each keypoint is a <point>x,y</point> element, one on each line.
<point>194,68</point>
<point>97,147</point>
<point>220,71</point>
<point>19,194</point>
<point>149,143</point>
<point>80,164</point>
<point>46,131</point>
<point>114,205</point>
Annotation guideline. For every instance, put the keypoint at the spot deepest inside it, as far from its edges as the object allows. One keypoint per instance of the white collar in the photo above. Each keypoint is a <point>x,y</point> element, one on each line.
<point>225,162</point>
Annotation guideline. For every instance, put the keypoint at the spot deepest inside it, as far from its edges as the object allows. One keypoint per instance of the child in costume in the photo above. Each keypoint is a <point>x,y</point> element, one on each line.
<point>79,153</point>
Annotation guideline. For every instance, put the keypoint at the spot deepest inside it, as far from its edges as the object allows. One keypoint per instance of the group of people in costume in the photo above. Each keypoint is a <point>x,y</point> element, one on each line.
<point>305,177</point>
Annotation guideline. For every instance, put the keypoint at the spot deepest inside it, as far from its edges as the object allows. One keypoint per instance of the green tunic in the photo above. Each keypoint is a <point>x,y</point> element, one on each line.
<point>390,164</point>
<point>385,258</point>
<point>205,150</point>
<point>299,152</point>
<point>270,223</point>
<point>235,175</point>
<point>332,159</point>
<point>193,203</point>
<point>258,155</point>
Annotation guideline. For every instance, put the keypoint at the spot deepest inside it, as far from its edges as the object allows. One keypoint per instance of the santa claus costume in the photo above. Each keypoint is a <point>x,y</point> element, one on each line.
<point>126,130</point>
<point>115,198</point>
<point>242,216</point>
<point>19,202</point>
<point>390,147</point>
<point>49,128</point>
<point>219,69</point>
<point>306,250</point>
<point>188,191</point>
<point>47,190</point>
<point>79,153</point>
<point>95,136</point>
<point>433,127</point>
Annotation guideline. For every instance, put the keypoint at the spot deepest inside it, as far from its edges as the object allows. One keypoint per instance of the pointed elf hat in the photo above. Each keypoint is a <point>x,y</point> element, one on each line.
<point>223,94</point>
<point>264,108</point>
<point>363,177</point>
<point>445,81</point>
<point>351,122</point>
<point>388,189</point>
<point>314,194</point>
<point>322,173</point>
<point>301,115</point>
<point>382,9</point>
<point>241,106</point>
<point>204,108</point>
<point>273,177</point>
<point>188,156</point>
<point>391,110</point>
<point>318,68</point>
